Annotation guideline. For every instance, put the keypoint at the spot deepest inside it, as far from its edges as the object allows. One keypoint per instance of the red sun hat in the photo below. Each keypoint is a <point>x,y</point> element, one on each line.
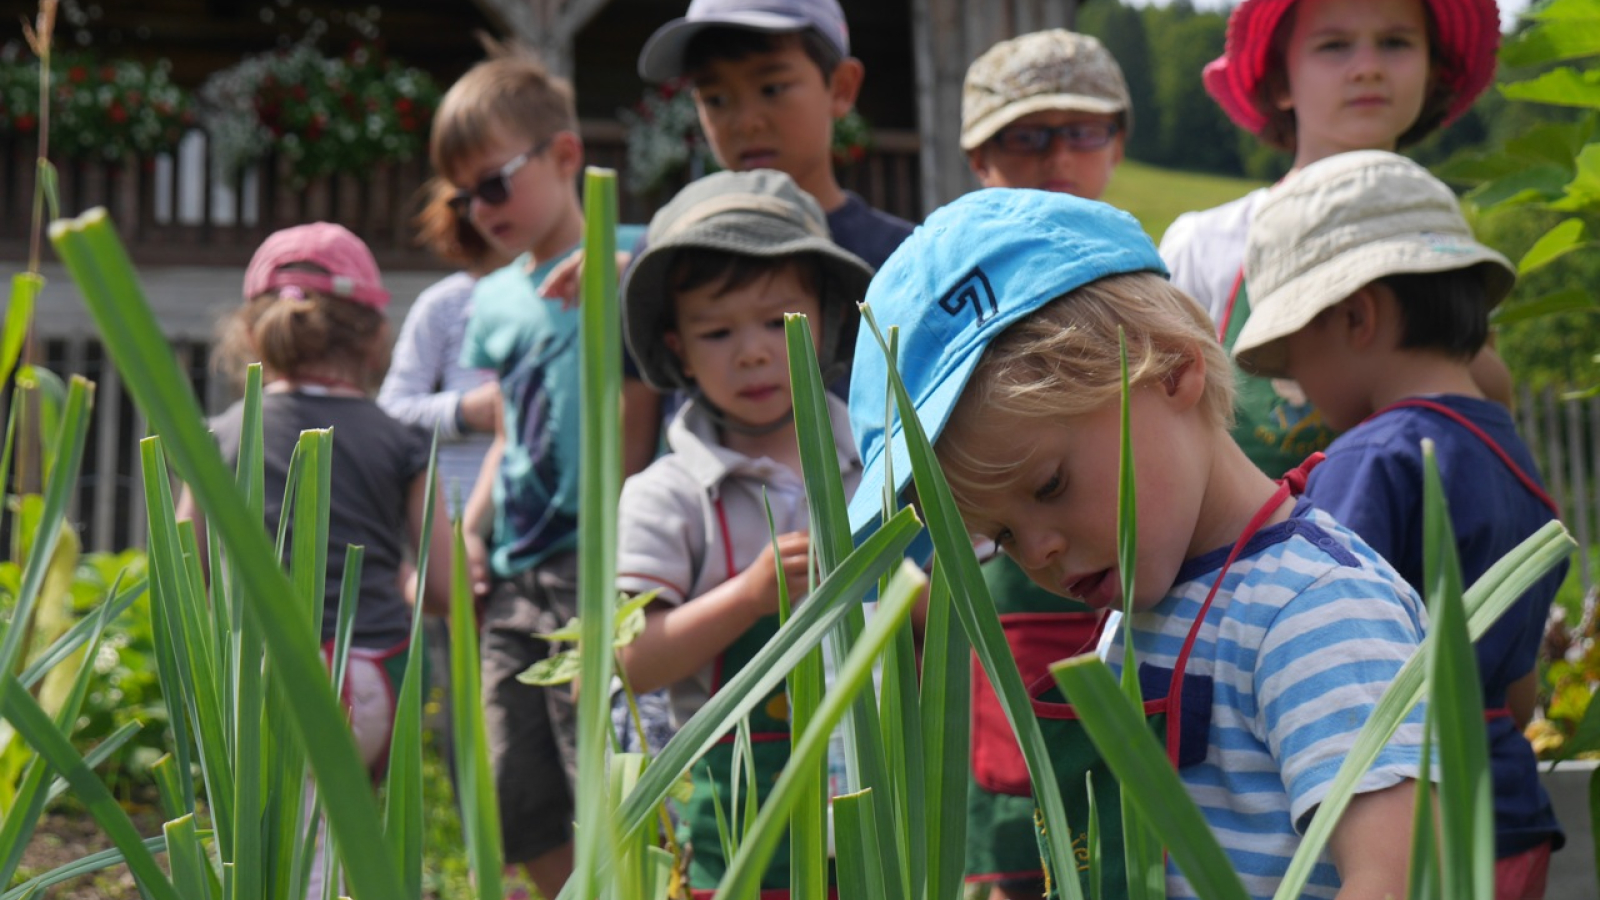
<point>1468,33</point>
<point>349,271</point>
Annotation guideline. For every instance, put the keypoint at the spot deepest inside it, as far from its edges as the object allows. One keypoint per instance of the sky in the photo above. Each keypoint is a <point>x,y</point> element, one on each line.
<point>1508,8</point>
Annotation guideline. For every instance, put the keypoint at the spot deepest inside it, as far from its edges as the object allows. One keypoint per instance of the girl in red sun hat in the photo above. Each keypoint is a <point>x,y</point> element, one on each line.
<point>1316,78</point>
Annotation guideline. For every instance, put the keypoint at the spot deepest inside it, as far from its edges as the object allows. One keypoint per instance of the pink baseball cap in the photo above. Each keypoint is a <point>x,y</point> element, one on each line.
<point>352,273</point>
<point>1468,34</point>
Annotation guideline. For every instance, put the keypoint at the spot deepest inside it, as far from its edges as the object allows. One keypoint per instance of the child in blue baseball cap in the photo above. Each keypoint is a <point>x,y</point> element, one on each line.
<point>1265,630</point>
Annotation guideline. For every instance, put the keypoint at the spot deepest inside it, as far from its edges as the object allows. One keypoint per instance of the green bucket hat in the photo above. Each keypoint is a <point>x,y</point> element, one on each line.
<point>760,213</point>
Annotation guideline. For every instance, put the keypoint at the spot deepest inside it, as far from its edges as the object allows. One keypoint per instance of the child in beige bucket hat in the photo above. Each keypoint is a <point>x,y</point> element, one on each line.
<point>1371,292</point>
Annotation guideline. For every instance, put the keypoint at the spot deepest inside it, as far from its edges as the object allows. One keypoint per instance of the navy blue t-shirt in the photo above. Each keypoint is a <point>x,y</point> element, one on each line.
<point>1372,482</point>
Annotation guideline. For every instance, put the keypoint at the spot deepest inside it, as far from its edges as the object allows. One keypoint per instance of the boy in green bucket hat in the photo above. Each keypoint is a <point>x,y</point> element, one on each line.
<point>703,312</point>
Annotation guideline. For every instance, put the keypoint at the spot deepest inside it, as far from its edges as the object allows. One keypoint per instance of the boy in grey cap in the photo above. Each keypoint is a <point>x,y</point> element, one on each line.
<point>1047,110</point>
<point>703,311</point>
<point>770,77</point>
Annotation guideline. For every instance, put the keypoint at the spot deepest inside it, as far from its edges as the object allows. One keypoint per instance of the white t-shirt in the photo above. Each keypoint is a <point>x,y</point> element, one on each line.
<point>1204,250</point>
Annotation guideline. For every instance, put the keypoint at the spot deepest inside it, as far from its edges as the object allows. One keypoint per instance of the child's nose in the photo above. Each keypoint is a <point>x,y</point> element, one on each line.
<point>1037,548</point>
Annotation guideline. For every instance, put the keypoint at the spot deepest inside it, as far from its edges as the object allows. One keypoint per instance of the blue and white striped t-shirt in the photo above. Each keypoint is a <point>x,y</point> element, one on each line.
<point>1305,634</point>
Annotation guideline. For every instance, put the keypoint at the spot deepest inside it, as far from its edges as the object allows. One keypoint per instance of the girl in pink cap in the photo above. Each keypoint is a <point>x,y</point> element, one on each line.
<point>1316,78</point>
<point>315,316</point>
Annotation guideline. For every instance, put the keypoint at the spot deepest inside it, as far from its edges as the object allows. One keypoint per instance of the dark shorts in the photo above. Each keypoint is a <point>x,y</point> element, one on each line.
<point>532,730</point>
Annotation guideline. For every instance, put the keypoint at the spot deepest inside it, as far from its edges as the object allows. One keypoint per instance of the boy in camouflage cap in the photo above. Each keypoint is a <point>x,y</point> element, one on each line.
<point>1024,94</point>
<point>1020,97</point>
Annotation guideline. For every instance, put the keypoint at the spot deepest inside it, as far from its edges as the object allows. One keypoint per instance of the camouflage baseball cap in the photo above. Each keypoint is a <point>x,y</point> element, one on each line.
<point>1054,69</point>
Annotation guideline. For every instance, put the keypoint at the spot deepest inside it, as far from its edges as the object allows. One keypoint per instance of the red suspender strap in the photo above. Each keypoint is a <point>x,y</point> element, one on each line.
<point>1480,434</point>
<point>727,538</point>
<point>1227,310</point>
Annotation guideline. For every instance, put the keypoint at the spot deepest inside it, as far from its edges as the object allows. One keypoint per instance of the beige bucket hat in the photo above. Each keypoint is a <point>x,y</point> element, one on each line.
<point>1054,69</point>
<point>1338,225</point>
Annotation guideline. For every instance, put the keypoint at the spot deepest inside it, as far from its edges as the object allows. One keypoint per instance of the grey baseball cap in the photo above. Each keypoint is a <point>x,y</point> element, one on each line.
<point>1054,69</point>
<point>760,213</point>
<point>662,56</point>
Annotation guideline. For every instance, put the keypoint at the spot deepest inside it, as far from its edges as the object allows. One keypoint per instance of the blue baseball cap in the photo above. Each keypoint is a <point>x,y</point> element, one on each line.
<point>971,269</point>
<point>662,56</point>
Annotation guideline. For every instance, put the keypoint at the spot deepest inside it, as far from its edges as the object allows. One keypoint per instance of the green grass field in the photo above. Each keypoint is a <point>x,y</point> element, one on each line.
<point>1157,196</point>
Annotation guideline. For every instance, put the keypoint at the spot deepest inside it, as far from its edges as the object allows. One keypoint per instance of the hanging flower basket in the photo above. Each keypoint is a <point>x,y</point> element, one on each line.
<point>99,109</point>
<point>324,115</point>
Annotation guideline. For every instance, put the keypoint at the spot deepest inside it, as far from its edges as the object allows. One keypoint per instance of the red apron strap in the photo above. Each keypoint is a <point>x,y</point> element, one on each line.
<point>1227,309</point>
<point>1456,417</point>
<point>1291,485</point>
<point>727,537</point>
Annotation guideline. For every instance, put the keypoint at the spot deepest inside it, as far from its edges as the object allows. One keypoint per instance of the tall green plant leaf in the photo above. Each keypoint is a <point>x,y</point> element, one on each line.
<point>178,598</point>
<point>805,629</point>
<point>74,427</point>
<point>599,487</point>
<point>1455,700</point>
<point>946,734</point>
<point>862,853</point>
<point>475,790</point>
<point>19,707</point>
<point>25,288</point>
<point>830,528</point>
<point>31,796</point>
<point>1146,864</point>
<point>100,267</point>
<point>1148,780</point>
<point>1489,597</point>
<point>975,609</point>
<point>403,813</point>
<point>743,878</point>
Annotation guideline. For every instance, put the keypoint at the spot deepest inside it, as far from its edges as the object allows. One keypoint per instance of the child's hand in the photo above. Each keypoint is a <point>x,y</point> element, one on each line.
<point>480,405</point>
<point>761,578</point>
<point>477,564</point>
<point>563,281</point>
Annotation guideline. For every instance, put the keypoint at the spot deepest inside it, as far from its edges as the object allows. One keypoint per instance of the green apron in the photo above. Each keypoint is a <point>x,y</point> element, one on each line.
<point>769,733</point>
<point>1177,708</point>
<point>1040,628</point>
<point>1275,431</point>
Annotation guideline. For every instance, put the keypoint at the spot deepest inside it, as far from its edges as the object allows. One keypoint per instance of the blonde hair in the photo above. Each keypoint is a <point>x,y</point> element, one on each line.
<point>512,93</point>
<point>292,336</point>
<point>1063,361</point>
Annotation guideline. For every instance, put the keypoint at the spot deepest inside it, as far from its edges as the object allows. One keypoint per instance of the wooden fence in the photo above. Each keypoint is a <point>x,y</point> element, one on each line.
<point>1564,434</point>
<point>176,209</point>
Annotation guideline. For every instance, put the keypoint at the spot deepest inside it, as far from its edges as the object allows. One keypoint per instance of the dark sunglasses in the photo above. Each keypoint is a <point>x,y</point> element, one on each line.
<point>1081,137</point>
<point>496,189</point>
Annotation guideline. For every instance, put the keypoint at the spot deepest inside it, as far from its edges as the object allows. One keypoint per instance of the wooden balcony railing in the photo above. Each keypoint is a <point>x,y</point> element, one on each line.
<point>175,209</point>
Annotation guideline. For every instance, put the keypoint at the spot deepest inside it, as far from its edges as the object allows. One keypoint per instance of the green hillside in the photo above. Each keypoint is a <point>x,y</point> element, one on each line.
<point>1157,196</point>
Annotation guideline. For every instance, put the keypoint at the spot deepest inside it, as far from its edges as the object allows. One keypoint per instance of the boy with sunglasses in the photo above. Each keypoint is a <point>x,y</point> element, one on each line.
<point>1047,110</point>
<point>506,137</point>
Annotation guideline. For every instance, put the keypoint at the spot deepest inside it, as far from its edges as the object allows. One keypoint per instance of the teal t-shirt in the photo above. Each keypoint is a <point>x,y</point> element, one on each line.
<point>532,345</point>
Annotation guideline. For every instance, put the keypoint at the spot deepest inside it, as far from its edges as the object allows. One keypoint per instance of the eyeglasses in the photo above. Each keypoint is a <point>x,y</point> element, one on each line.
<point>496,189</point>
<point>1080,137</point>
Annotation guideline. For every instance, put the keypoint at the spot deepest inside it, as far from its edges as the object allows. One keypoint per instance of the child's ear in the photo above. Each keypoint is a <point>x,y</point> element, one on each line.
<point>1359,313</point>
<point>845,85</point>
<point>566,151</point>
<point>978,162</point>
<point>675,344</point>
<point>1186,384</point>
